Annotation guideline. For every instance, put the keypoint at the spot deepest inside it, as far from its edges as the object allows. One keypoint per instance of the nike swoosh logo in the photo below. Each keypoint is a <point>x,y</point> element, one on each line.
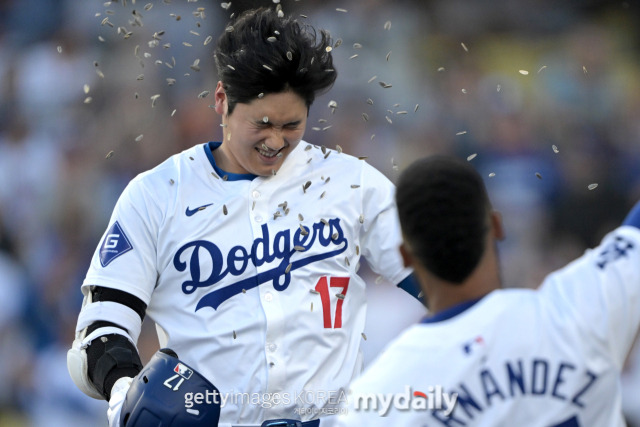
<point>191,212</point>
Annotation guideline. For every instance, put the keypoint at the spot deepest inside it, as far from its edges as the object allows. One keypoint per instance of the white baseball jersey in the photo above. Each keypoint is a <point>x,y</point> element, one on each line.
<point>517,357</point>
<point>253,282</point>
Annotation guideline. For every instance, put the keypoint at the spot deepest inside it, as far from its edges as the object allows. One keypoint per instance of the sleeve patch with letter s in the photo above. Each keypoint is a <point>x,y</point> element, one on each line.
<point>115,244</point>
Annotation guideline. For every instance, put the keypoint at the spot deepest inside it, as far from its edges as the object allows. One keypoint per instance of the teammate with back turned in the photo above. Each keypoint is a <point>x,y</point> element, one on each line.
<point>486,356</point>
<point>244,253</point>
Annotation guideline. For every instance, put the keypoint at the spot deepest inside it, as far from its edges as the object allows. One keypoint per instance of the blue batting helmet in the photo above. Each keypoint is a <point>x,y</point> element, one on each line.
<point>169,393</point>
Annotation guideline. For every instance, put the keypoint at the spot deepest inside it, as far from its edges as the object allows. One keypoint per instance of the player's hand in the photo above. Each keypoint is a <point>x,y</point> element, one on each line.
<point>118,393</point>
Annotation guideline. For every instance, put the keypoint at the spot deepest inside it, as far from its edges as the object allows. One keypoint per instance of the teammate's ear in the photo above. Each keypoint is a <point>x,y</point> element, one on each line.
<point>407,260</point>
<point>496,225</point>
<point>220,98</point>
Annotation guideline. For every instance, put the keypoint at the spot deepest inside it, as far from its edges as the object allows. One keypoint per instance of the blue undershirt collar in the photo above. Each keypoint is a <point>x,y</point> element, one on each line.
<point>208,149</point>
<point>451,311</point>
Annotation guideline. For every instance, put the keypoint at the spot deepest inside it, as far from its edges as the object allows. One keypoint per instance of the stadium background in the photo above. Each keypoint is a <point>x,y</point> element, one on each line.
<point>544,98</point>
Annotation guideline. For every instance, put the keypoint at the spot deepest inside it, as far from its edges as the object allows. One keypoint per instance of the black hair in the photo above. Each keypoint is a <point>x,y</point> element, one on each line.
<point>261,53</point>
<point>444,208</point>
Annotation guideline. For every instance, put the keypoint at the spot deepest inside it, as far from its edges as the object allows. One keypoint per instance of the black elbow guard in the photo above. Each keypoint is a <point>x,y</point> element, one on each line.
<point>109,358</point>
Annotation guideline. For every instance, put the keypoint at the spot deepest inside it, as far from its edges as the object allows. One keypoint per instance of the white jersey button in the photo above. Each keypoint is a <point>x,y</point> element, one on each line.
<point>272,347</point>
<point>255,194</point>
<point>258,218</point>
<point>268,297</point>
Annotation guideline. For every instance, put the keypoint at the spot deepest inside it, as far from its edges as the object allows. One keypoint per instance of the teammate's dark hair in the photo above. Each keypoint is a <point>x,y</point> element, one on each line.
<point>252,57</point>
<point>443,208</point>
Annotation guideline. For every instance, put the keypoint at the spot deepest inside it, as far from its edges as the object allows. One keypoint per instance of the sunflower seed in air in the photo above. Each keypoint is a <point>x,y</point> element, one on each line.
<point>592,186</point>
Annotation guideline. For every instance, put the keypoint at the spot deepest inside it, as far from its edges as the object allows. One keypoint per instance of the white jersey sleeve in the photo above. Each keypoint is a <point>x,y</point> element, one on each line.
<point>601,290</point>
<point>132,230</point>
<point>381,235</point>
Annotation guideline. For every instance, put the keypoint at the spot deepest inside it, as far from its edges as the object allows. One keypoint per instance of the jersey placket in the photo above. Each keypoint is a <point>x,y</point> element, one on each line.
<point>270,299</point>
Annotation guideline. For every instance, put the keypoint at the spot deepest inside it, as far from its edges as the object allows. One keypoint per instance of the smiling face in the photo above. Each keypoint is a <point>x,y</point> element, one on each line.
<point>258,137</point>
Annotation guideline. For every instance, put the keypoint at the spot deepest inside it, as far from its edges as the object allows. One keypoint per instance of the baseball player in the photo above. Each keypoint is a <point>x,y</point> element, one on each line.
<point>245,252</point>
<point>487,356</point>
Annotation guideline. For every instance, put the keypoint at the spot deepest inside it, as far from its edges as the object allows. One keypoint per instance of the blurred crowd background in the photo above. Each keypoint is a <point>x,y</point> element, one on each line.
<point>542,96</point>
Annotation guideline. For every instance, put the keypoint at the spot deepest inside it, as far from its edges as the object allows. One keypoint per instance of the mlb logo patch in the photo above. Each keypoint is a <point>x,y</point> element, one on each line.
<point>183,371</point>
<point>474,344</point>
<point>115,244</point>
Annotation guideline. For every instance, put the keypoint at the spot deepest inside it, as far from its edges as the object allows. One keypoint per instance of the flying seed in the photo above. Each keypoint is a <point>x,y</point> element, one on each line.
<point>225,177</point>
<point>471,157</point>
<point>208,40</point>
<point>109,154</point>
<point>300,217</point>
<point>341,10</point>
<point>327,180</point>
<point>388,119</point>
<point>357,46</point>
<point>139,138</point>
<point>387,25</point>
<point>340,296</point>
<point>372,136</point>
<point>173,112</point>
<point>323,149</point>
<point>592,186</point>
<point>214,175</point>
<point>201,208</point>
<point>461,132</point>
<point>464,46</point>
<point>59,49</point>
<point>542,68</point>
<point>153,100</point>
<point>498,88</point>
<point>299,248</point>
<point>308,147</point>
<point>339,148</point>
<point>523,72</point>
<point>231,67</point>
<point>203,94</point>
<point>100,38</point>
<point>334,236</point>
<point>355,186</point>
<point>421,294</point>
<point>369,101</point>
<point>265,119</point>
<point>324,221</point>
<point>171,181</point>
<point>361,219</point>
<point>326,127</point>
<point>364,336</point>
<point>555,149</point>
<point>244,291</point>
<point>267,67</point>
<point>100,74</point>
<point>88,100</point>
<point>463,90</point>
<point>323,193</point>
<point>305,186</point>
<point>280,14</point>
<point>288,269</point>
<point>385,85</point>
<point>229,29</point>
<point>225,6</point>
<point>365,117</point>
<point>492,174</point>
<point>234,335</point>
<point>388,55</point>
<point>378,279</point>
<point>401,112</point>
<point>372,79</point>
<point>585,72</point>
<point>327,155</point>
<point>303,16</point>
<point>253,205</point>
<point>303,231</point>
<point>353,56</point>
<point>229,137</point>
<point>272,39</point>
<point>312,306</point>
<point>171,82</point>
<point>337,43</point>
<point>187,44</point>
<point>327,49</point>
<point>357,250</point>
<point>191,158</point>
<point>440,69</point>
<point>313,291</point>
<point>538,175</point>
<point>224,209</point>
<point>289,56</point>
<point>148,6</point>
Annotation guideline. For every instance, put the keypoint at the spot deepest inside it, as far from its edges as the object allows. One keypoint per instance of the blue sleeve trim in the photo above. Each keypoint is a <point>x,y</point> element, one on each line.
<point>411,285</point>
<point>633,218</point>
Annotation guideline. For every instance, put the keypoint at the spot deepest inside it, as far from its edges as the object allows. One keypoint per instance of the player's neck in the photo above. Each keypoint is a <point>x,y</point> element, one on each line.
<point>484,279</point>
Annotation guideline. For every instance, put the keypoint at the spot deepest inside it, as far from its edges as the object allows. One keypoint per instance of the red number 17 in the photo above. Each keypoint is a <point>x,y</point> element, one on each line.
<point>323,288</point>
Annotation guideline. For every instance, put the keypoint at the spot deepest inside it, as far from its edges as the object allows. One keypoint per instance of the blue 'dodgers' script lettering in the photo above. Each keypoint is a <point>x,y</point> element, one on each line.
<point>263,250</point>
